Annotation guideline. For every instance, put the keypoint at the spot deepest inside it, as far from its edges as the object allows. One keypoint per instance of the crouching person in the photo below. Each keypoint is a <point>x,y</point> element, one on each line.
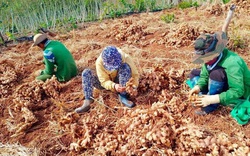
<point>114,68</point>
<point>224,76</point>
<point>57,59</point>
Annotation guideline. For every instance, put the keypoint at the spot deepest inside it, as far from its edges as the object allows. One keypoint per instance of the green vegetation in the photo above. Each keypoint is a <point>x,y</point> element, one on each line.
<point>140,5</point>
<point>168,18</point>
<point>26,16</point>
<point>238,42</point>
<point>225,1</point>
<point>29,15</point>
<point>187,4</point>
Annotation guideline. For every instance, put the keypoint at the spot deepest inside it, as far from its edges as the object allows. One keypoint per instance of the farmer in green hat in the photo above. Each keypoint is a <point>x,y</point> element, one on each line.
<point>57,58</point>
<point>224,77</point>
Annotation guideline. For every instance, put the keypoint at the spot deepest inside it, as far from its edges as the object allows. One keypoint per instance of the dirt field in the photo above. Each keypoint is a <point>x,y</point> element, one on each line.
<point>40,115</point>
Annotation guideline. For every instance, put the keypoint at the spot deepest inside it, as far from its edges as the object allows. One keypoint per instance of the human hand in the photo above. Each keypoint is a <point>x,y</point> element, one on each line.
<point>205,100</point>
<point>194,90</point>
<point>119,88</point>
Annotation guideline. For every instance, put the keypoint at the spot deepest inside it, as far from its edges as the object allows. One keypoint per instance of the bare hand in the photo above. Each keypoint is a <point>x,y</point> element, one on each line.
<point>119,88</point>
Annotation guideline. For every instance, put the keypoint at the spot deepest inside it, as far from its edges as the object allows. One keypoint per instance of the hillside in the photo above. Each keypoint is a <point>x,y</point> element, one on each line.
<point>40,115</point>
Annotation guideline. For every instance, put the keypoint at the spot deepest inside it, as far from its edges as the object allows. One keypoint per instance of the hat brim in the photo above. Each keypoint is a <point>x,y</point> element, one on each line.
<point>221,44</point>
<point>110,67</point>
<point>39,39</point>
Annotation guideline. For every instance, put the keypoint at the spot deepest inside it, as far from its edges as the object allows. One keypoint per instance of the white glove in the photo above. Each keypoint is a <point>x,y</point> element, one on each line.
<point>228,19</point>
<point>206,100</point>
<point>232,7</point>
<point>194,90</point>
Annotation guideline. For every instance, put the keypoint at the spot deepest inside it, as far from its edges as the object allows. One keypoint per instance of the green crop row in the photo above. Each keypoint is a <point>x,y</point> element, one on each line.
<point>25,16</point>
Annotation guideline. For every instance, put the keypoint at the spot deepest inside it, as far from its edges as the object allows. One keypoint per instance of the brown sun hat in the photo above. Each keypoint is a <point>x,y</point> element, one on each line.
<point>209,46</point>
<point>38,38</point>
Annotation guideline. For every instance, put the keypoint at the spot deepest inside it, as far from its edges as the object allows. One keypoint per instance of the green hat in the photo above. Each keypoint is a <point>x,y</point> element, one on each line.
<point>208,46</point>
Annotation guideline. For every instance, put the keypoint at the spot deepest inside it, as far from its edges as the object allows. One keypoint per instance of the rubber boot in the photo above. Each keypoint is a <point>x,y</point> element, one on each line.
<point>123,98</point>
<point>214,87</point>
<point>85,107</point>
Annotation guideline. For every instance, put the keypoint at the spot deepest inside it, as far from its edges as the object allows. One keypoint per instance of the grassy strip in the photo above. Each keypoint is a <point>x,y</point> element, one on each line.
<point>25,16</point>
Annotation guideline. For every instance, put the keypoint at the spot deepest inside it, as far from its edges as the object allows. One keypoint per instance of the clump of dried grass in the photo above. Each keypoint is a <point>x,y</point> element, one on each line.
<point>17,150</point>
<point>184,35</point>
<point>129,32</point>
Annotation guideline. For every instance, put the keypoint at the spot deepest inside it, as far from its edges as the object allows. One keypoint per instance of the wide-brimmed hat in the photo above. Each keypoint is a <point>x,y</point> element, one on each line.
<point>112,59</point>
<point>209,46</point>
<point>38,38</point>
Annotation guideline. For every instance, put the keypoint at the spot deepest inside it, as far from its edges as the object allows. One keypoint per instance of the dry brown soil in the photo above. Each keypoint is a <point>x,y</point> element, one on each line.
<point>40,115</point>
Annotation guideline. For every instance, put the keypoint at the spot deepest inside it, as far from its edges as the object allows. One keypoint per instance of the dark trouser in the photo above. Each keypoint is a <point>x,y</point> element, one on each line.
<point>90,79</point>
<point>217,84</point>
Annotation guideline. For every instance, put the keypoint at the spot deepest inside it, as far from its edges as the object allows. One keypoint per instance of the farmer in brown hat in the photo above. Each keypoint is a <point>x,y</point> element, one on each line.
<point>57,58</point>
<point>224,77</point>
